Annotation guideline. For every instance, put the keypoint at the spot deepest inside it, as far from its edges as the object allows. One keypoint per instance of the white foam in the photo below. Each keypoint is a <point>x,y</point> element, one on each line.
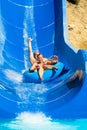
<point>13,75</point>
<point>29,31</point>
<point>40,88</point>
<point>2,41</point>
<point>31,93</point>
<point>23,92</point>
<point>37,121</point>
<point>86,67</point>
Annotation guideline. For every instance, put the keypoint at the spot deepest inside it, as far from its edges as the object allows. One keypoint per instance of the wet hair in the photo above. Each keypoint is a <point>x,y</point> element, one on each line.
<point>39,55</point>
<point>36,53</point>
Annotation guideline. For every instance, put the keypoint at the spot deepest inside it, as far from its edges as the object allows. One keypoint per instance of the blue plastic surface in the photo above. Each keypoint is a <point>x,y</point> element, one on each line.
<point>46,22</point>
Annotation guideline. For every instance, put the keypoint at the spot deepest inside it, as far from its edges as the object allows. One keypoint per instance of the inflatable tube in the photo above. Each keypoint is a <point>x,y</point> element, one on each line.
<point>33,77</point>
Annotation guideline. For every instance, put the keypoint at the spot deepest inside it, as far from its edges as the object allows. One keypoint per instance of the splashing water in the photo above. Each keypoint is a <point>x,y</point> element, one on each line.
<point>39,121</point>
<point>29,28</point>
<point>13,75</point>
<point>2,41</point>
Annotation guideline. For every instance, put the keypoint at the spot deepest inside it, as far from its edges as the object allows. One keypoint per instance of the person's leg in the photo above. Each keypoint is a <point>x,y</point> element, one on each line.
<point>31,57</point>
<point>50,67</point>
<point>33,67</point>
<point>40,72</point>
<point>52,61</point>
<point>39,68</point>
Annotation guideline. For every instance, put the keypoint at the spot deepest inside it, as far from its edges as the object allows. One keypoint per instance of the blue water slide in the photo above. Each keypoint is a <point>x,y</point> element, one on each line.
<point>46,22</point>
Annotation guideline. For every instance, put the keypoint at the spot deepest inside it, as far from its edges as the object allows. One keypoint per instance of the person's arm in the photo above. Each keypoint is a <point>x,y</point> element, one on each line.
<point>32,59</point>
<point>30,47</point>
